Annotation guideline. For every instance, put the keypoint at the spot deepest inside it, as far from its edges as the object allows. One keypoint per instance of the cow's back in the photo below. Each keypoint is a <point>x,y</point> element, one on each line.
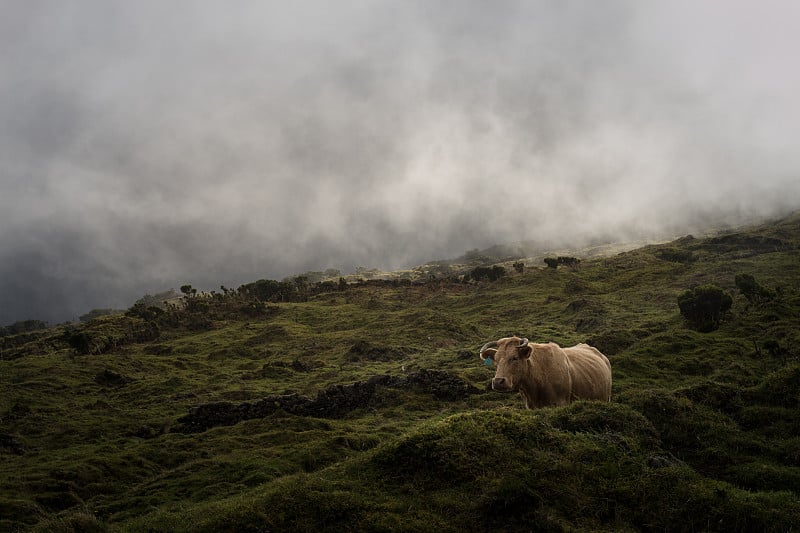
<point>591,373</point>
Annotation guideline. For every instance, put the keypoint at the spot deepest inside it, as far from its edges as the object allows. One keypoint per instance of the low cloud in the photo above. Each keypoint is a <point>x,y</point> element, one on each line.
<point>149,144</point>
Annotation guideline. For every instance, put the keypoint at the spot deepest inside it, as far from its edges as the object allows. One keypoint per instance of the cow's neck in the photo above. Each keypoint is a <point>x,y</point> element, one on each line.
<point>531,387</point>
<point>536,389</point>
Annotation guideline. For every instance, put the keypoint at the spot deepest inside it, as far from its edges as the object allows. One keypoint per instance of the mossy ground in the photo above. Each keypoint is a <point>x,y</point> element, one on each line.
<point>702,432</point>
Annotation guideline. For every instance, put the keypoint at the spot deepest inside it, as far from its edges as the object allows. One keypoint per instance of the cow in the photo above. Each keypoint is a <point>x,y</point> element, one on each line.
<point>546,374</point>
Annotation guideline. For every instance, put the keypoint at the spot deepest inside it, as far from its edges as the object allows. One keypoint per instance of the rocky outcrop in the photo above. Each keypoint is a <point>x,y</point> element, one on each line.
<point>333,402</point>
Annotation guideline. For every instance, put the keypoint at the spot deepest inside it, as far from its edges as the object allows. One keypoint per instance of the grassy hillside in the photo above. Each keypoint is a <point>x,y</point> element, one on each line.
<point>366,407</point>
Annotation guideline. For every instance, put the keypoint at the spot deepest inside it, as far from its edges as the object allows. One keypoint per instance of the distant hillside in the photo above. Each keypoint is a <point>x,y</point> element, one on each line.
<point>531,253</point>
<point>320,405</point>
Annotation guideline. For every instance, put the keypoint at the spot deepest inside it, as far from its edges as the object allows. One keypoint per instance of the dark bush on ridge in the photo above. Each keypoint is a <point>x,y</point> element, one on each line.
<point>571,262</point>
<point>704,306</point>
<point>486,273</point>
<point>22,326</point>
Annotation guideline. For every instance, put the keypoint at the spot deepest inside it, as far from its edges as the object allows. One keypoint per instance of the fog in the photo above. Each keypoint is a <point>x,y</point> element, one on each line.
<point>148,144</point>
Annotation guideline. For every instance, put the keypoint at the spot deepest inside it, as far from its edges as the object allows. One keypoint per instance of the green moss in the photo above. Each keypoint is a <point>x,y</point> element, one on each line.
<point>701,435</point>
<point>780,388</point>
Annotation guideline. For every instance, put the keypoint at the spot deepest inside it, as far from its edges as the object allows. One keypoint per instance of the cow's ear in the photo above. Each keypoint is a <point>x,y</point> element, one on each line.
<point>524,351</point>
<point>488,354</point>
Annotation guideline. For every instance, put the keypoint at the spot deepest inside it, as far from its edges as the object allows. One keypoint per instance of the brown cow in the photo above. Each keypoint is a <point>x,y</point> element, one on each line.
<point>546,374</point>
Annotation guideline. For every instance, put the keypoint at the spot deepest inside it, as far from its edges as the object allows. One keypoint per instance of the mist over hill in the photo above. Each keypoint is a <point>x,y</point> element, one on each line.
<point>146,145</point>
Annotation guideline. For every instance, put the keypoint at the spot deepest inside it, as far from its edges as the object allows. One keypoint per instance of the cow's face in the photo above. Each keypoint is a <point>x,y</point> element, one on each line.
<point>510,357</point>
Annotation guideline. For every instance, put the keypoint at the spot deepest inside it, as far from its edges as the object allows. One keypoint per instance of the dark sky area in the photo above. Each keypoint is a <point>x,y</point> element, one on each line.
<point>147,144</point>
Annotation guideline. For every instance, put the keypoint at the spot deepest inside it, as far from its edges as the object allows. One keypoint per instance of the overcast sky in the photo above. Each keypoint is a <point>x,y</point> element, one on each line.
<point>148,144</point>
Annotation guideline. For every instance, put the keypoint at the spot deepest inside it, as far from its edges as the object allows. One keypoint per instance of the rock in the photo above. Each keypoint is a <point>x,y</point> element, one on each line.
<point>333,402</point>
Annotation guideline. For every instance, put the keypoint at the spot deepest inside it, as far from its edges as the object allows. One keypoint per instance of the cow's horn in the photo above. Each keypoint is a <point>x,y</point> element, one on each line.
<point>523,343</point>
<point>492,344</point>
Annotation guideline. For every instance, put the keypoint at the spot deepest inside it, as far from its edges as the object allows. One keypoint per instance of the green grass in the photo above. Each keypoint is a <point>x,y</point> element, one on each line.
<point>702,432</point>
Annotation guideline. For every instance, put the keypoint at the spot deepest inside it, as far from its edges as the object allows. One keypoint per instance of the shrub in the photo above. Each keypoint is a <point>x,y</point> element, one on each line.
<point>188,290</point>
<point>104,336</point>
<point>570,262</point>
<point>22,326</point>
<point>486,273</point>
<point>704,306</point>
<point>275,291</point>
<point>80,341</point>
<point>139,310</point>
<point>752,290</point>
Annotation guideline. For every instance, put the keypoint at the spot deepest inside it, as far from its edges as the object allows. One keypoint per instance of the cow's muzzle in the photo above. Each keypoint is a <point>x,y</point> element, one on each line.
<point>501,385</point>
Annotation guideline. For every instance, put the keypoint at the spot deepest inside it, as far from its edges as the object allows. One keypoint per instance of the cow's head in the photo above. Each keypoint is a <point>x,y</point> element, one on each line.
<point>510,356</point>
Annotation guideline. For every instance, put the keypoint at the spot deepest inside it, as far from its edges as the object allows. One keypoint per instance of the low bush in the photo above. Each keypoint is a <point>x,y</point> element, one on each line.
<point>703,307</point>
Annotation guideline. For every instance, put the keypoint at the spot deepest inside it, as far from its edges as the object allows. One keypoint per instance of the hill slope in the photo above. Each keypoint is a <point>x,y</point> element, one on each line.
<point>366,408</point>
